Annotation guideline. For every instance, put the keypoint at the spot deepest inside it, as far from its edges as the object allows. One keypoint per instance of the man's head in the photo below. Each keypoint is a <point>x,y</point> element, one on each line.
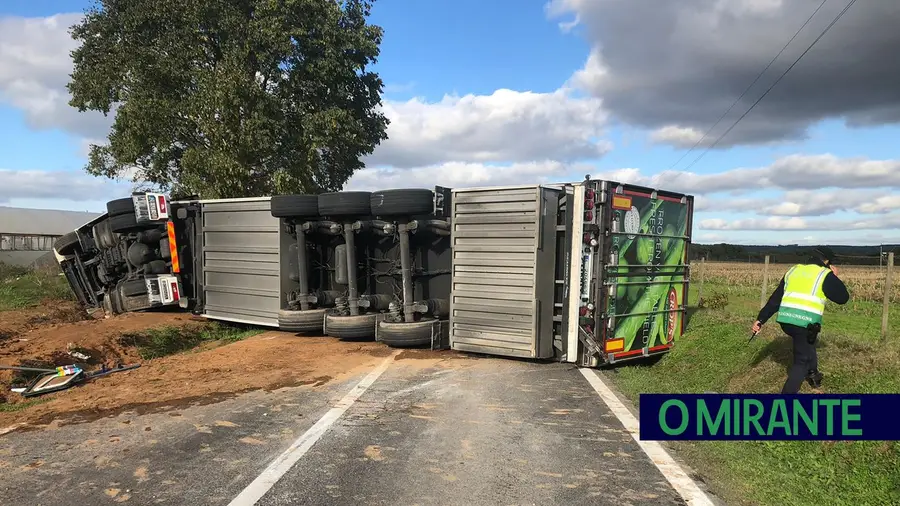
<point>822,255</point>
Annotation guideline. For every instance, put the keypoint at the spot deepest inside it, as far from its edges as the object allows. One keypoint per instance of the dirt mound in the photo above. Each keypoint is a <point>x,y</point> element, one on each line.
<point>267,361</point>
<point>17,322</point>
<point>50,344</point>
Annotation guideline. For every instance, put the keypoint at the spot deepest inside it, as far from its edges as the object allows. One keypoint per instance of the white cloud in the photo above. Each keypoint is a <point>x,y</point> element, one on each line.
<point>505,126</point>
<point>34,68</point>
<point>57,185</point>
<point>888,222</point>
<point>676,135</point>
<point>793,172</point>
<point>462,174</point>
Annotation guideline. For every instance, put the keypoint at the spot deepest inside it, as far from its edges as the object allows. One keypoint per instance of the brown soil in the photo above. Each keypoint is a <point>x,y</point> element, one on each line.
<point>15,323</point>
<point>45,337</point>
<point>267,361</point>
<point>207,374</point>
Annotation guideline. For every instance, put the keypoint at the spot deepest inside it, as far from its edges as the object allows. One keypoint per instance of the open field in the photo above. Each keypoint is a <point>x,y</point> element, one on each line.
<point>714,355</point>
<point>864,282</point>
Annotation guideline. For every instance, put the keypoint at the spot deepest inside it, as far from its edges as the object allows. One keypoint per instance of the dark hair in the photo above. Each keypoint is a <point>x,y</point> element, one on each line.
<point>821,254</point>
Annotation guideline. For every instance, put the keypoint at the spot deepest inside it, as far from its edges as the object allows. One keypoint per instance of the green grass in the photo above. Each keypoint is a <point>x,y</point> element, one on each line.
<point>19,406</point>
<point>714,355</point>
<point>22,287</point>
<point>169,340</point>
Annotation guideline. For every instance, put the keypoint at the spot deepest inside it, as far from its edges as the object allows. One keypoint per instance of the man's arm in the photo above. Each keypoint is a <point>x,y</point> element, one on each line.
<point>772,305</point>
<point>835,289</point>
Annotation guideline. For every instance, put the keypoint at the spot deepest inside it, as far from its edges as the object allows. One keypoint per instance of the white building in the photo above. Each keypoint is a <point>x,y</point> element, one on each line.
<point>28,234</point>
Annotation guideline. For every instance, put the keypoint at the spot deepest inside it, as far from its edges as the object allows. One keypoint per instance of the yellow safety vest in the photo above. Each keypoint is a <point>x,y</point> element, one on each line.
<point>803,301</point>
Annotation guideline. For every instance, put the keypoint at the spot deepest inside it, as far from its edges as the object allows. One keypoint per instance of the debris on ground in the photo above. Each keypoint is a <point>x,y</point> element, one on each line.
<point>202,375</point>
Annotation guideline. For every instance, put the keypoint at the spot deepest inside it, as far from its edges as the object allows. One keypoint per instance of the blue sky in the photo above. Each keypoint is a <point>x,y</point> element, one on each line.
<point>612,100</point>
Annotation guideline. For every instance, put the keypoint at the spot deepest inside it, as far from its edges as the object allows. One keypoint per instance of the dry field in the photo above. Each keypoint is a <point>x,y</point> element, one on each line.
<point>863,282</point>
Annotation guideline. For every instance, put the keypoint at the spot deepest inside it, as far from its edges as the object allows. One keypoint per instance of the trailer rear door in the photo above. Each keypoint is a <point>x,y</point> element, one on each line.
<point>240,261</point>
<point>504,246</point>
<point>645,278</point>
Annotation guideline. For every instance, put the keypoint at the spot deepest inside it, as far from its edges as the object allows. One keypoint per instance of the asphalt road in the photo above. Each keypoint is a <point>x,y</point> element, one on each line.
<point>471,431</point>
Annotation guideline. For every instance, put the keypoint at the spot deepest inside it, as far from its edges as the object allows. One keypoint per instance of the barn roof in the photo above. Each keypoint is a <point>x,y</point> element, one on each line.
<point>17,220</point>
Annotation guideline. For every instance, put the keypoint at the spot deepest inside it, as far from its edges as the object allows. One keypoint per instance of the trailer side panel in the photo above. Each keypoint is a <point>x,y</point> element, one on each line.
<point>240,261</point>
<point>501,298</point>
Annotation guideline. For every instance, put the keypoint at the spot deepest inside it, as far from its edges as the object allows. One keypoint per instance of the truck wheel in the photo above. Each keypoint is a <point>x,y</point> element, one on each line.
<point>120,207</point>
<point>65,245</point>
<point>125,223</point>
<point>406,334</point>
<point>345,204</point>
<point>99,238</point>
<point>294,206</point>
<point>133,288</point>
<point>310,320</point>
<point>351,327</point>
<point>402,202</point>
<point>115,302</point>
<point>156,267</point>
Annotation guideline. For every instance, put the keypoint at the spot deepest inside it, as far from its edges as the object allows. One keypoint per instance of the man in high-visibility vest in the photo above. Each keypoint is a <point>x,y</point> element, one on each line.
<point>799,301</point>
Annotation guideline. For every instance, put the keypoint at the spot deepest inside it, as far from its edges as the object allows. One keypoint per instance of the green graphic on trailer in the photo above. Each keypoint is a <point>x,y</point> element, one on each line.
<point>650,251</point>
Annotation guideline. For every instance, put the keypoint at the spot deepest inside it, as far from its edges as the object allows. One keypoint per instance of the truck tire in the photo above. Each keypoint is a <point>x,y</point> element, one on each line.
<point>310,320</point>
<point>133,288</point>
<point>404,202</point>
<point>66,244</point>
<point>405,335</point>
<point>103,236</point>
<point>120,207</point>
<point>125,223</point>
<point>294,206</point>
<point>115,301</point>
<point>351,327</point>
<point>345,204</point>
<point>156,267</point>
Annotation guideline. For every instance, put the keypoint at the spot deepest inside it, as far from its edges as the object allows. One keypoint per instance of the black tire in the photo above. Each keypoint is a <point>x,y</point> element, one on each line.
<point>294,206</point>
<point>111,238</point>
<point>345,204</point>
<point>133,288</point>
<point>310,320</point>
<point>406,335</point>
<point>156,267</point>
<point>406,202</point>
<point>125,223</point>
<point>120,207</point>
<point>164,252</point>
<point>66,244</point>
<point>99,238</point>
<point>115,301</point>
<point>351,327</point>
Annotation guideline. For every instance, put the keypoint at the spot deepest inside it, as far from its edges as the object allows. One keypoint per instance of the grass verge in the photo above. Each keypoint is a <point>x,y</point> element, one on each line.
<point>714,355</point>
<point>169,340</point>
<point>19,406</point>
<point>21,287</point>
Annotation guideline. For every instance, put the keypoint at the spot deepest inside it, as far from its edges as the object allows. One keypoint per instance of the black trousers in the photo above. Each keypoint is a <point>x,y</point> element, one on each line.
<point>805,358</point>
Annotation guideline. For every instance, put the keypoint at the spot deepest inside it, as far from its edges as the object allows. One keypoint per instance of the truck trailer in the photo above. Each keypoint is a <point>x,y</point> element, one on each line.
<point>592,272</point>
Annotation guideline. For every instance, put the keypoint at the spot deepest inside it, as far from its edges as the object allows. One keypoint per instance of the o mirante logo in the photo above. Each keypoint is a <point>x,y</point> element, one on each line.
<point>769,417</point>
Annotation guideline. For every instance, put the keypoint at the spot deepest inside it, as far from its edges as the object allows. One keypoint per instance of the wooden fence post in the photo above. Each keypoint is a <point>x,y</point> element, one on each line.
<point>887,295</point>
<point>763,295</point>
<point>702,277</point>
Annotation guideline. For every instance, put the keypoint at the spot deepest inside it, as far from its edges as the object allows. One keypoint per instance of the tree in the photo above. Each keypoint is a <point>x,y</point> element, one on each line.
<point>231,98</point>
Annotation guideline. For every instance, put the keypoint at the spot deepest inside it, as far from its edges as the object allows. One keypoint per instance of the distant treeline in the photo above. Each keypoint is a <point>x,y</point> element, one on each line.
<point>856,255</point>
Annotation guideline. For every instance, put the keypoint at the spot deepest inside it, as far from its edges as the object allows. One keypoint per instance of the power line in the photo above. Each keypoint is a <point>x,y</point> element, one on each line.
<point>726,132</point>
<point>751,84</point>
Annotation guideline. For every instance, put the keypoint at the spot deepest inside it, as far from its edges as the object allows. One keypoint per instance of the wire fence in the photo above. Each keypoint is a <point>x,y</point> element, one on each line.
<point>869,283</point>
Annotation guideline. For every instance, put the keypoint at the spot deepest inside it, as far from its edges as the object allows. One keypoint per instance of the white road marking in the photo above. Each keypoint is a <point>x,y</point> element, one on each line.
<point>680,481</point>
<point>281,465</point>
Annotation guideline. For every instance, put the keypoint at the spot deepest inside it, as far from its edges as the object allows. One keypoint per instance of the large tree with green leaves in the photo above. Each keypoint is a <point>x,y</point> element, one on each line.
<point>231,98</point>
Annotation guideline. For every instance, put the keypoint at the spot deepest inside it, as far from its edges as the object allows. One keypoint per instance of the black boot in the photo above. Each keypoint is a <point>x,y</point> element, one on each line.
<point>814,378</point>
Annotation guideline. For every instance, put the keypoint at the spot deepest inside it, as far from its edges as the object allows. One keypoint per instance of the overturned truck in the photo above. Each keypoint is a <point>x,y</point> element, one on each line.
<point>592,273</point>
